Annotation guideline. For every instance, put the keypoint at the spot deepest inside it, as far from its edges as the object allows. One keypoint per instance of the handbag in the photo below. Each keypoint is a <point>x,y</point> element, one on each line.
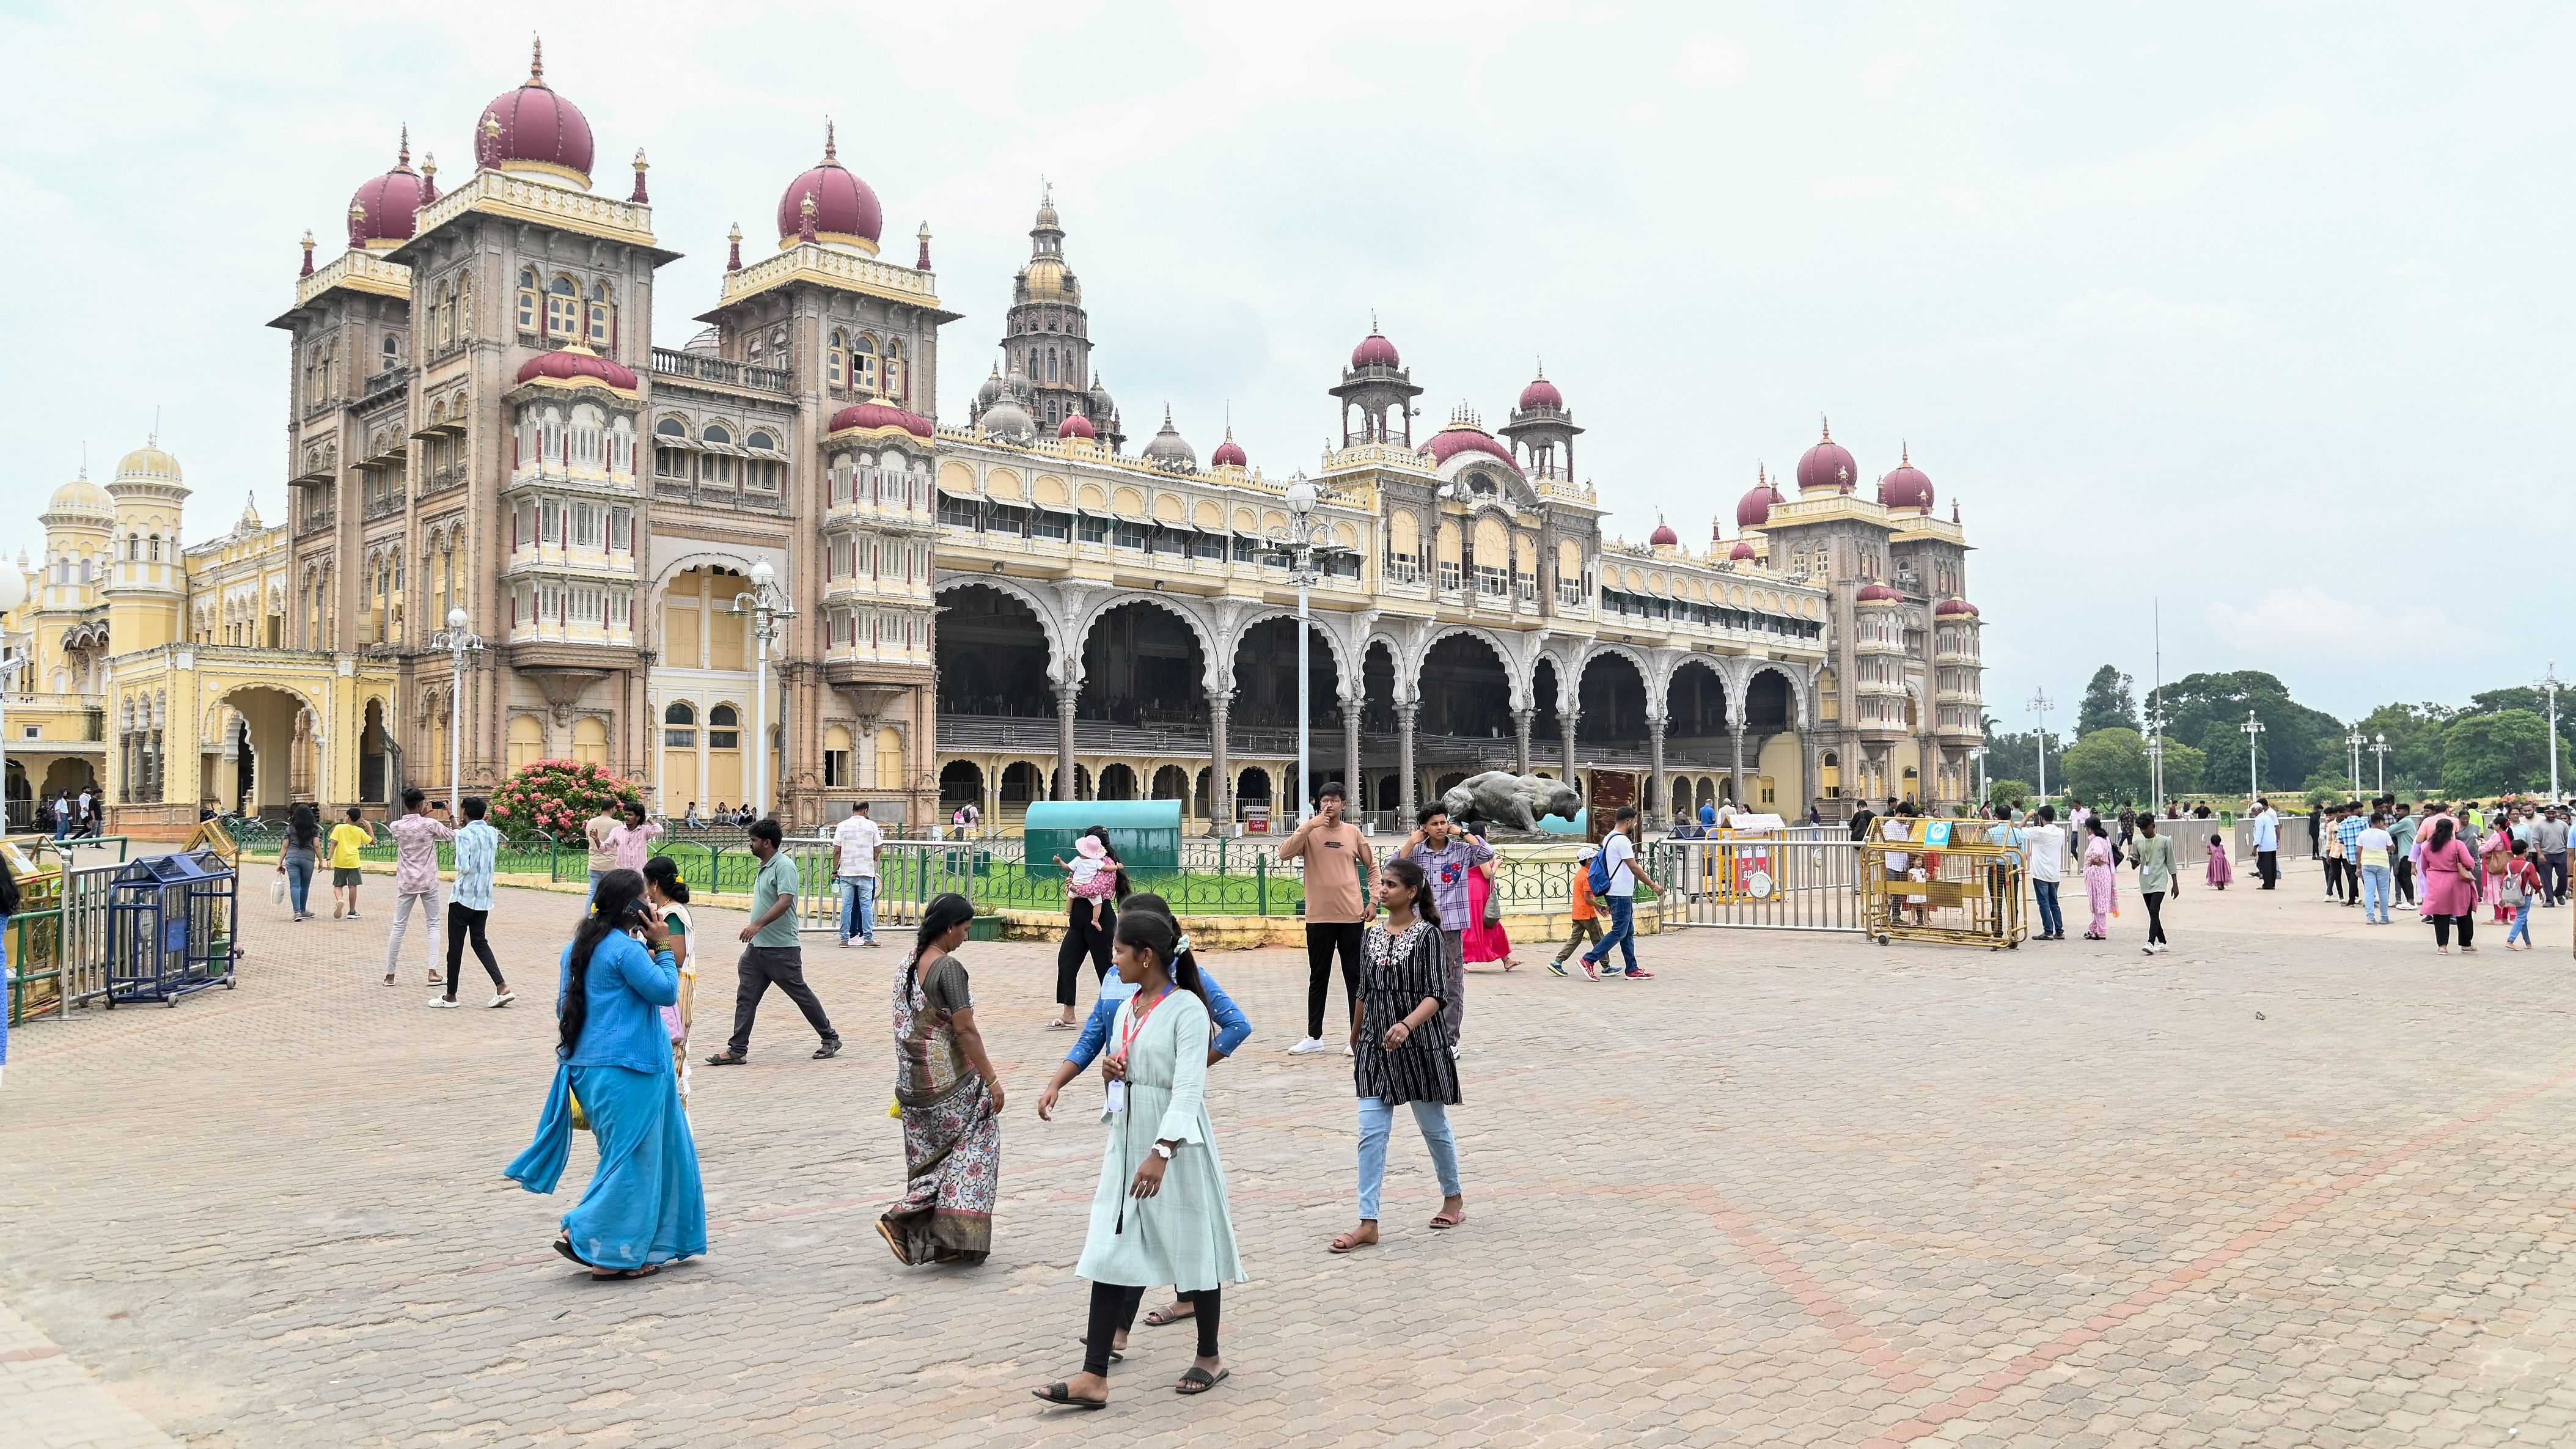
<point>1493,907</point>
<point>277,890</point>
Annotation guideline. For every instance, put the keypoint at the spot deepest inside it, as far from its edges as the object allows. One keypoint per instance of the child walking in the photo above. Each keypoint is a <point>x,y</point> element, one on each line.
<point>347,839</point>
<point>1584,920</point>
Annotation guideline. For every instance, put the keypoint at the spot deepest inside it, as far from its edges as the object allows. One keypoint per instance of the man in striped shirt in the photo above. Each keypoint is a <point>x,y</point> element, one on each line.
<point>2348,833</point>
<point>469,906</point>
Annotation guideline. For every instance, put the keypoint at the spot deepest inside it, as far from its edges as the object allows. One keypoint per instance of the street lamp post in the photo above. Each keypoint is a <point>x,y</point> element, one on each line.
<point>13,592</point>
<point>2253,731</point>
<point>768,606</point>
<point>2356,739</point>
<point>2379,747</point>
<point>2551,682</point>
<point>2040,705</point>
<point>458,643</point>
<point>2156,770</point>
<point>1978,754</point>
<point>1299,541</point>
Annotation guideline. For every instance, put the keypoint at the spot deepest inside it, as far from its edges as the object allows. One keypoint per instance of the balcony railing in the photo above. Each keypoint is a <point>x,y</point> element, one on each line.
<point>380,383</point>
<point>668,363</point>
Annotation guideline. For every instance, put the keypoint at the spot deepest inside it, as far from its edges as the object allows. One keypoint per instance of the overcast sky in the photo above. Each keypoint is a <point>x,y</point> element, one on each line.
<point>2262,309</point>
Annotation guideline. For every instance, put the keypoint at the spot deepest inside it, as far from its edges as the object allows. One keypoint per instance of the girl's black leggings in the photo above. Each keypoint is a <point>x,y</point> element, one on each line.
<point>2467,923</point>
<point>2155,917</point>
<point>1088,925</point>
<point>1113,1307</point>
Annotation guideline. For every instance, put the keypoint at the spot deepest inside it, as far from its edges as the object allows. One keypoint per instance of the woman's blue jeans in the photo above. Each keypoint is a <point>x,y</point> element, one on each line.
<point>1377,1119</point>
<point>299,879</point>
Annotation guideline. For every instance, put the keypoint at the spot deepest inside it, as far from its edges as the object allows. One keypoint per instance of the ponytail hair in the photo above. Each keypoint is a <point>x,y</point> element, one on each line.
<point>659,871</point>
<point>1151,903</point>
<point>614,906</point>
<point>1408,873</point>
<point>1149,930</point>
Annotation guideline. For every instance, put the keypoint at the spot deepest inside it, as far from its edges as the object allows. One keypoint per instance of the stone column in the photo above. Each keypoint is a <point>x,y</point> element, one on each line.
<point>1351,750</point>
<point>1567,718</point>
<point>1521,719</point>
<point>1658,796</point>
<point>1220,774</point>
<point>1735,786</point>
<point>1928,760</point>
<point>1404,801</point>
<point>1811,785</point>
<point>1064,700</point>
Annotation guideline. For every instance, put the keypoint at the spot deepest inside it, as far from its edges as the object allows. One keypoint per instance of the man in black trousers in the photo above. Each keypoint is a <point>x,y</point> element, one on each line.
<point>771,954</point>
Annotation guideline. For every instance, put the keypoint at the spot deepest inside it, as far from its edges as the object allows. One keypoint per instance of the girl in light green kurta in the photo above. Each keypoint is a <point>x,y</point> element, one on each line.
<point>1159,1215</point>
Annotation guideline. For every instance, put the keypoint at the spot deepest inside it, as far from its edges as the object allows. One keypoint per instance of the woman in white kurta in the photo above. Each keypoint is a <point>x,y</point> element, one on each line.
<point>1159,1215</point>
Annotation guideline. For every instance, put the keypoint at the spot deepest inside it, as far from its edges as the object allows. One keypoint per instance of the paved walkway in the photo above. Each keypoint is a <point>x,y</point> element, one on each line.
<point>2297,1183</point>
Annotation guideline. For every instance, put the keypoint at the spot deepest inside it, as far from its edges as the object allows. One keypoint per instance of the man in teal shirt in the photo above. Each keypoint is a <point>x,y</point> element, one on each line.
<point>770,954</point>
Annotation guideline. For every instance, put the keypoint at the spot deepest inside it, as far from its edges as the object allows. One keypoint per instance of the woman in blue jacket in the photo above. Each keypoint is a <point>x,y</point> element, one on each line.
<point>645,1205</point>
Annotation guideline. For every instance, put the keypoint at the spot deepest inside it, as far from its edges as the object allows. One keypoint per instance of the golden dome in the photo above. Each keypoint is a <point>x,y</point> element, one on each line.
<point>1046,279</point>
<point>148,464</point>
<point>81,496</point>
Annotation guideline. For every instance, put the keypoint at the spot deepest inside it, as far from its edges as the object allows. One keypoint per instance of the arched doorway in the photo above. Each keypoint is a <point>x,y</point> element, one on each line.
<point>961,782</point>
<point>1264,716</point>
<point>1142,666</point>
<point>992,656</point>
<point>1610,727</point>
<point>267,746</point>
<point>1465,723</point>
<point>1378,747</point>
<point>1117,782</point>
<point>375,755</point>
<point>1022,783</point>
<point>1171,782</point>
<point>1695,729</point>
<point>1547,725</point>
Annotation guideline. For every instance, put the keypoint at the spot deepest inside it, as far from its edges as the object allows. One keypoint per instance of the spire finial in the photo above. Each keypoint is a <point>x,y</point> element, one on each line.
<point>640,196</point>
<point>402,161</point>
<point>1904,454</point>
<point>733,259</point>
<point>428,177</point>
<point>357,224</point>
<point>1373,322</point>
<point>536,60</point>
<point>1542,368</point>
<point>84,457</point>
<point>831,143</point>
<point>308,256</point>
<point>153,438</point>
<point>1829,426</point>
<point>923,264</point>
<point>1046,190</point>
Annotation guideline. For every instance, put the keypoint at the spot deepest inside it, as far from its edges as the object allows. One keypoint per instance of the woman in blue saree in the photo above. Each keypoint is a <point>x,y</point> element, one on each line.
<point>645,1206</point>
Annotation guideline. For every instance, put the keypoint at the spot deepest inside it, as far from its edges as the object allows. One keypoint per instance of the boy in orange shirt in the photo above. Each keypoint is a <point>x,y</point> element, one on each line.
<point>1587,918</point>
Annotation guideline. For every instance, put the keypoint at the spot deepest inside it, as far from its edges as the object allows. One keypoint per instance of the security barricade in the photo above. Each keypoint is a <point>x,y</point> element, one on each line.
<point>1929,889</point>
<point>170,927</point>
<point>1758,882</point>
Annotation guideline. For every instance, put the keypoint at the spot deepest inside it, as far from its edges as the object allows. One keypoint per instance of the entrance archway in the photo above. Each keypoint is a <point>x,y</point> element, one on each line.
<point>267,766</point>
<point>992,655</point>
<point>961,782</point>
<point>1264,714</point>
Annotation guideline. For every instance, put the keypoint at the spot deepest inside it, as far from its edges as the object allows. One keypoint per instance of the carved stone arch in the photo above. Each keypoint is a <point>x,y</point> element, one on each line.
<point>1801,684</point>
<point>1566,659</point>
<point>1218,672</point>
<point>1516,668</point>
<point>1345,671</point>
<point>1049,618</point>
<point>1594,649</point>
<point>1726,678</point>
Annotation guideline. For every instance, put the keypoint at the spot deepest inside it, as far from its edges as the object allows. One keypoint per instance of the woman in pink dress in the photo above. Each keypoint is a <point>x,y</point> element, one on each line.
<point>2448,879</point>
<point>2222,871</point>
<point>1482,942</point>
<point>2101,880</point>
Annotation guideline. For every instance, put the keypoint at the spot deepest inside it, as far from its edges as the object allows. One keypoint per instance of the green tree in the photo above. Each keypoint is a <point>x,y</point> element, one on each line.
<point>2109,703</point>
<point>2512,696</point>
<point>2106,767</point>
<point>2006,790</point>
<point>2487,754</point>
<point>2183,768</point>
<point>2414,735</point>
<point>2208,710</point>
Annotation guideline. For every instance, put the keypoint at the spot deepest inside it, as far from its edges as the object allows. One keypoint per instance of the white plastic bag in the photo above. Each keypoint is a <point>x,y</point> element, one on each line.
<point>277,891</point>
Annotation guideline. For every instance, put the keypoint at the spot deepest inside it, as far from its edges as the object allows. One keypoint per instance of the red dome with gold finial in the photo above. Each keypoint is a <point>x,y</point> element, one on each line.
<point>1906,486</point>
<point>878,415</point>
<point>845,208</point>
<point>1742,552</point>
<point>1753,510</point>
<point>1075,425</point>
<point>1228,454</point>
<point>1828,467</point>
<point>534,129</point>
<point>1374,351</point>
<point>1663,536</point>
<point>577,363</point>
<point>380,212</point>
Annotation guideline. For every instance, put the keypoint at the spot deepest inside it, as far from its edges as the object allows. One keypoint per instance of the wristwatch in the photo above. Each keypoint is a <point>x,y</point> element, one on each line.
<point>1163,1150</point>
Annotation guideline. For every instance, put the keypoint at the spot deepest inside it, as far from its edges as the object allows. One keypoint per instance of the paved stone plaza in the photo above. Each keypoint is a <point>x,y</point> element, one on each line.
<point>2297,1183</point>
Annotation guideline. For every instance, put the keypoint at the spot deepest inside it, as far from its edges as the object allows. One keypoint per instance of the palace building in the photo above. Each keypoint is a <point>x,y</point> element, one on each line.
<point>1007,608</point>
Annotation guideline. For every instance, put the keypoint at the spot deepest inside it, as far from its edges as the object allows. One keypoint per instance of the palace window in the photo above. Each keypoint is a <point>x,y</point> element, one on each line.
<point>894,368</point>
<point>391,352</point>
<point>680,726</point>
<point>717,467</point>
<point>563,310</point>
<point>1094,530</point>
<point>527,299</point>
<point>865,364</point>
<point>603,318</point>
<point>723,728</point>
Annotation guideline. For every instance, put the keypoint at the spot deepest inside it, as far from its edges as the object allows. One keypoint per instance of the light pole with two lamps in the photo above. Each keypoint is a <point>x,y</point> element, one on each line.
<point>2379,747</point>
<point>2253,731</point>
<point>458,642</point>
<point>2040,705</point>
<point>2356,739</point>
<point>1302,542</point>
<point>769,606</point>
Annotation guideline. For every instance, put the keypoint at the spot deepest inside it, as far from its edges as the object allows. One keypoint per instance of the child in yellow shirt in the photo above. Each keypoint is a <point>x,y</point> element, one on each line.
<point>346,840</point>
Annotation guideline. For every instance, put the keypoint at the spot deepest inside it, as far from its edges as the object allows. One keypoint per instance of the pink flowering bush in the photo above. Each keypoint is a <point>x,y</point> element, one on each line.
<point>556,797</point>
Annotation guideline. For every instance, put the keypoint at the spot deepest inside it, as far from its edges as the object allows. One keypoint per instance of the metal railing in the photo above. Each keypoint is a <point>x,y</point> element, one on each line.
<point>58,942</point>
<point>1808,880</point>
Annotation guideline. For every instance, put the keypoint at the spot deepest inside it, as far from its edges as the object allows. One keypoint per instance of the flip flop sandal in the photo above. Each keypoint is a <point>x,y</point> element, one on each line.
<point>1199,1381</point>
<point>1443,1221</point>
<point>1345,1244</point>
<point>1057,1393</point>
<point>1164,1315</point>
<point>564,1246</point>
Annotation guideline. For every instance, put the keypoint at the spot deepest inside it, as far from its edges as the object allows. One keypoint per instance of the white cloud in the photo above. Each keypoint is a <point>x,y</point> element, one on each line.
<point>2131,309</point>
<point>1708,60</point>
<point>1881,76</point>
<point>1853,188</point>
<point>2289,623</point>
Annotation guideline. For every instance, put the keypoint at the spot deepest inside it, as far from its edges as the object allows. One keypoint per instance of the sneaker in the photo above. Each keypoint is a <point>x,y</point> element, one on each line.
<point>502,998</point>
<point>829,1049</point>
<point>1590,971</point>
<point>1636,974</point>
<point>845,943</point>
<point>868,941</point>
<point>353,915</point>
<point>442,1003</point>
<point>1346,1050</point>
<point>1557,966</point>
<point>389,978</point>
<point>2147,950</point>
<point>1307,1047</point>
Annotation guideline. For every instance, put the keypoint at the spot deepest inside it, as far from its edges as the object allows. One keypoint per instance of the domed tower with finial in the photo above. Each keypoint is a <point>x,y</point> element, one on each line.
<point>1542,431</point>
<point>146,578</point>
<point>1046,334</point>
<point>1380,390</point>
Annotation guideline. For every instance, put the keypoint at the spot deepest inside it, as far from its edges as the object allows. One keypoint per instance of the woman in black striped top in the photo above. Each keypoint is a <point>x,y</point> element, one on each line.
<point>1399,1057</point>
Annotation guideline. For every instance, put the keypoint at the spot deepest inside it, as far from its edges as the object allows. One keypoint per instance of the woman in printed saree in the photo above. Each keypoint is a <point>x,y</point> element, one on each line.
<point>645,1205</point>
<point>950,1099</point>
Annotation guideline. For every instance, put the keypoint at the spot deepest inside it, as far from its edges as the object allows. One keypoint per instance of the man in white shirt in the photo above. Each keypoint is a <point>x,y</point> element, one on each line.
<point>2044,848</point>
<point>2267,843</point>
<point>855,840</point>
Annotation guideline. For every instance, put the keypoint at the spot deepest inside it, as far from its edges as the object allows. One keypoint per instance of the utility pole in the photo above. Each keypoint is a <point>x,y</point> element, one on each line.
<point>2552,682</point>
<point>2040,704</point>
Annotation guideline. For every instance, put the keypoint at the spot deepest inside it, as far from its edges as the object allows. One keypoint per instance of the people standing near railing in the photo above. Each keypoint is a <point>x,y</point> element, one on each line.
<point>416,840</point>
<point>347,839</point>
<point>2101,878</point>
<point>62,815</point>
<point>2220,873</point>
<point>771,955</point>
<point>297,856</point>
<point>469,905</point>
<point>1399,1060</point>
<point>854,867</point>
<point>2044,843</point>
<point>1483,937</point>
<point>2267,844</point>
<point>1447,855</point>
<point>1336,859</point>
<point>1095,882</point>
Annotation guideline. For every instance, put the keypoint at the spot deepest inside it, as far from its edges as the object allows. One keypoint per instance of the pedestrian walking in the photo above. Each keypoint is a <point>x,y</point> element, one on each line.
<point>1335,857</point>
<point>297,856</point>
<point>645,1206</point>
<point>1094,883</point>
<point>855,842</point>
<point>10,900</point>
<point>2267,844</point>
<point>1232,1031</point>
<point>2553,836</point>
<point>2044,845</point>
<point>2152,852</point>
<point>1483,939</point>
<point>2220,872</point>
<point>2401,827</point>
<point>2449,875</point>
<point>1446,855</point>
<point>2521,889</point>
<point>2372,851</point>
<point>771,955</point>
<point>1583,917</point>
<point>1614,884</point>
<point>469,905</point>
<point>2494,855</point>
<point>347,839</point>
<point>1398,1063</point>
<point>2352,820</point>
<point>1159,1213</point>
<point>416,841</point>
<point>949,1095</point>
<point>2101,879</point>
<point>668,894</point>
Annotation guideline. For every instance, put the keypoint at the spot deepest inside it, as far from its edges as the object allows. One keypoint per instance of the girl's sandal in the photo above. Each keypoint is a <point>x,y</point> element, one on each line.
<point>1445,1219</point>
<point>1170,1313</point>
<point>1350,1242</point>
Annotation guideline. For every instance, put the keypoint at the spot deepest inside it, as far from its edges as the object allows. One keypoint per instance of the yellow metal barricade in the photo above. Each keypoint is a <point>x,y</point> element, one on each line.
<point>1968,894</point>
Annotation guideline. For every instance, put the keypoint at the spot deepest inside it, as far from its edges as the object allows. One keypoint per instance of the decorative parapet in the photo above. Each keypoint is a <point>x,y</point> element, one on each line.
<point>360,272</point>
<point>497,193</point>
<point>830,267</point>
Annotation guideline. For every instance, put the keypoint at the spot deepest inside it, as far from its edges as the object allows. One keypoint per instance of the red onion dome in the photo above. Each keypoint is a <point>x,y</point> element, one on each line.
<point>1228,454</point>
<point>1663,536</point>
<point>1075,425</point>
<point>1742,552</point>
<point>845,207</point>
<point>1374,351</point>
<point>1541,393</point>
<point>877,416</point>
<point>380,212</point>
<point>1879,594</point>
<point>534,129</point>
<point>1951,608</point>
<point>1906,486</point>
<point>577,364</point>
<point>1827,467</point>
<point>1753,510</point>
<point>1466,438</point>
